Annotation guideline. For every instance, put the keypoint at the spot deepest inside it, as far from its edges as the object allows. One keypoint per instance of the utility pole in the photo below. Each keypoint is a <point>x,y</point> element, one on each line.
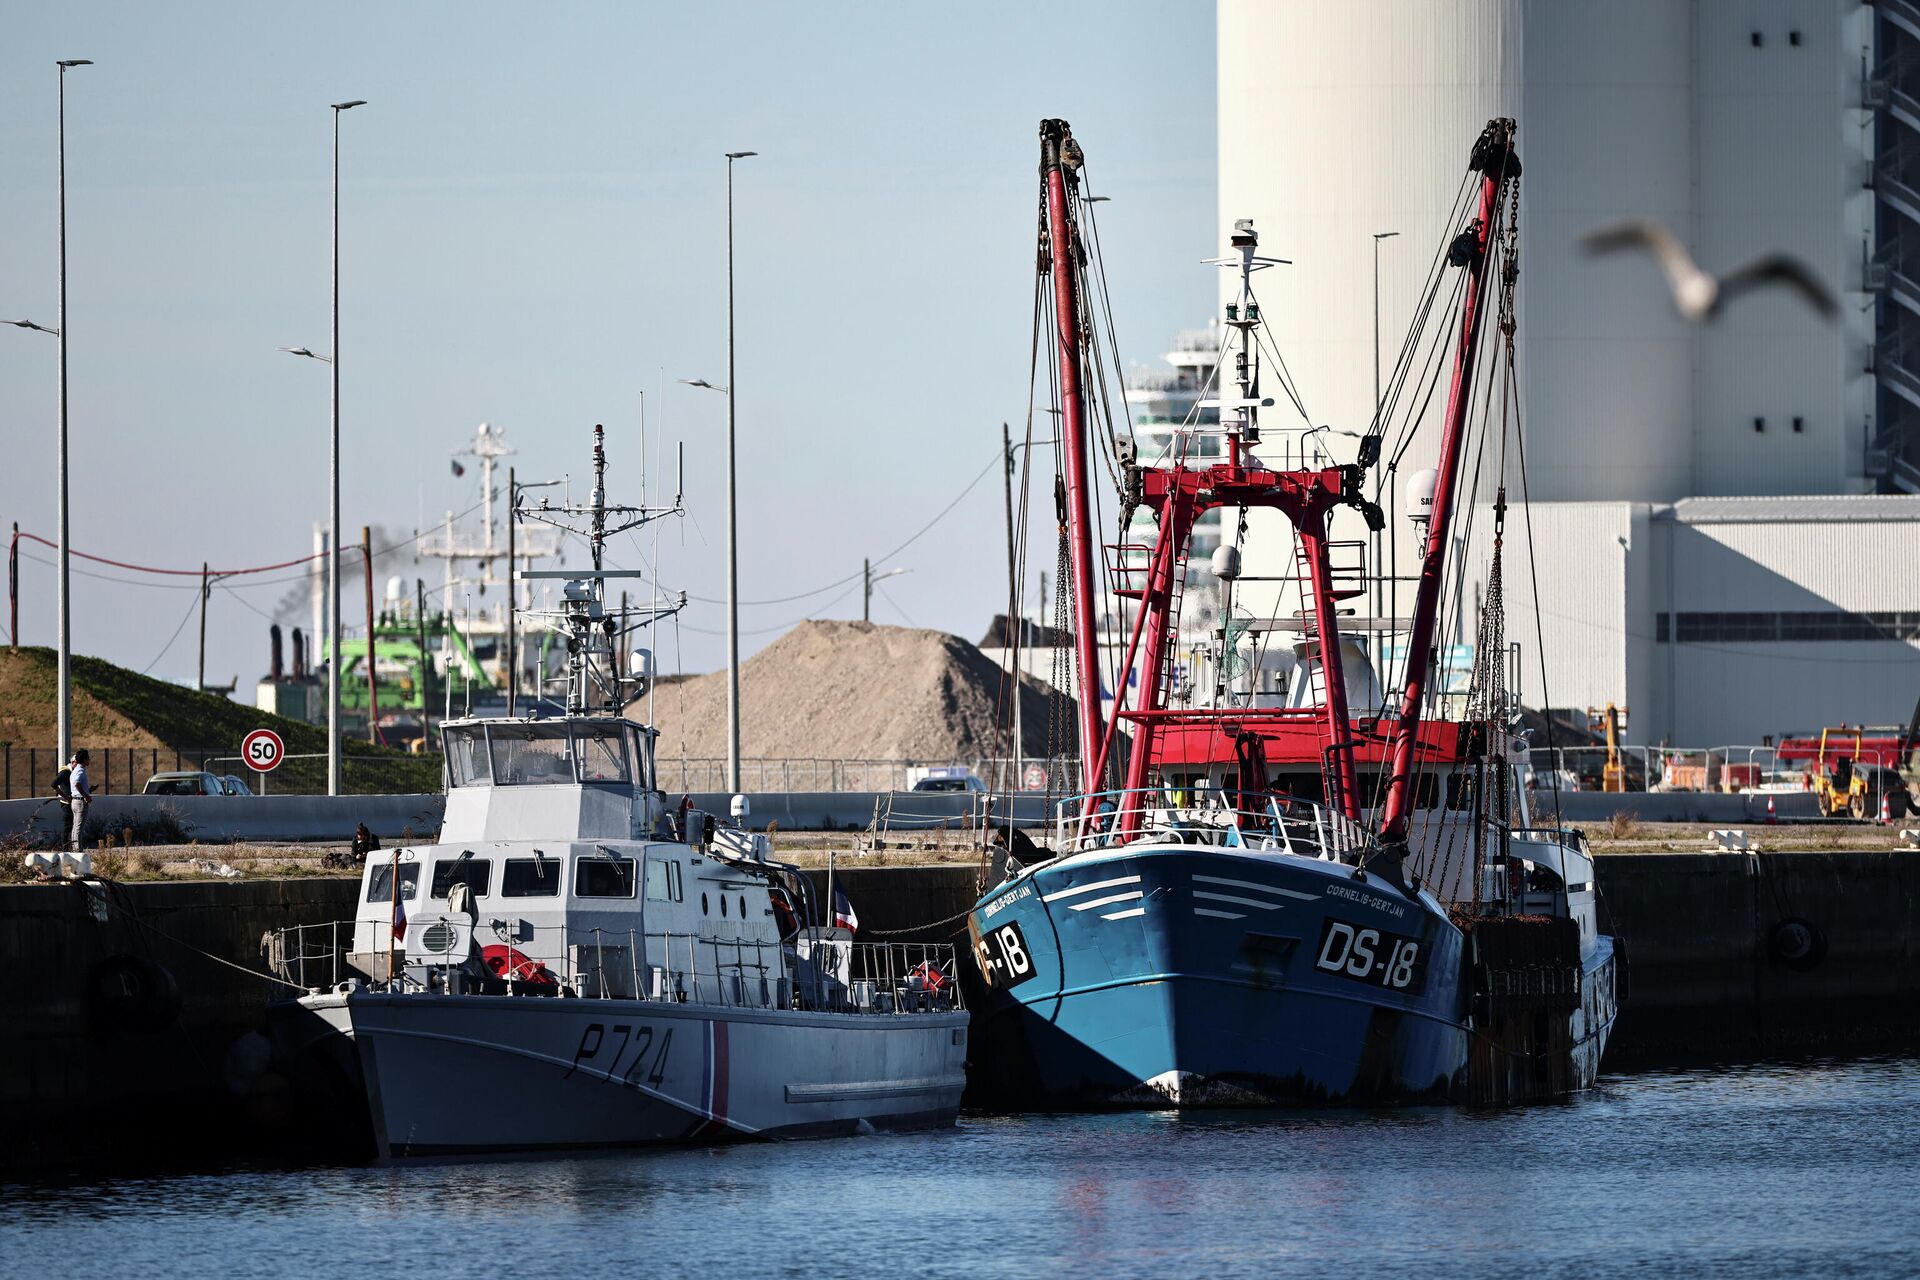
<point>513,597</point>
<point>200,682</point>
<point>13,587</point>
<point>373,688</point>
<point>866,591</point>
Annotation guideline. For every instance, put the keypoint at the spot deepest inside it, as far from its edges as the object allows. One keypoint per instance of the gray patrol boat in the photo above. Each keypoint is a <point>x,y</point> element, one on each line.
<point>572,965</point>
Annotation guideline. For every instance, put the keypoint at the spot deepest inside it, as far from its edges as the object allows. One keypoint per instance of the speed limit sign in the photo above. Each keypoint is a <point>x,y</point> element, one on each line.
<point>263,750</point>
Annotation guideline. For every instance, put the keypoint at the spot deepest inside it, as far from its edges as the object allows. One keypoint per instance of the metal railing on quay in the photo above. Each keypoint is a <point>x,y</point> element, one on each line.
<point>814,972</point>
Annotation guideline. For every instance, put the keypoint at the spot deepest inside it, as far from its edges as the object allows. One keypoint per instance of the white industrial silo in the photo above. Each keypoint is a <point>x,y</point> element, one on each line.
<point>1339,121</point>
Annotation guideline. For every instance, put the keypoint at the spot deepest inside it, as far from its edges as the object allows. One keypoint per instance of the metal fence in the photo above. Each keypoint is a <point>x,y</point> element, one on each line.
<point>113,770</point>
<point>29,771</point>
<point>691,774</point>
<point>1731,768</point>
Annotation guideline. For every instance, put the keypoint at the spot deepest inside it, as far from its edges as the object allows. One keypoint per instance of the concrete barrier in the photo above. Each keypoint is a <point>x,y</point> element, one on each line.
<point>1586,808</point>
<point>418,817</point>
<point>268,819</point>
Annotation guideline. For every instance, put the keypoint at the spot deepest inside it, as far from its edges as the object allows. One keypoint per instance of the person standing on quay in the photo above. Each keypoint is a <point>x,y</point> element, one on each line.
<point>80,788</point>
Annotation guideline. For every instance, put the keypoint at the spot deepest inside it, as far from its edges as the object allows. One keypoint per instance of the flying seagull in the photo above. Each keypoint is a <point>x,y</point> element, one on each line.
<point>1699,296</point>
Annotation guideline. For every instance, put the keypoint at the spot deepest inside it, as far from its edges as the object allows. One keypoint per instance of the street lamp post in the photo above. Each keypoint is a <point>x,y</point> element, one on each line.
<point>733,520</point>
<point>65,714</point>
<point>1379,586</point>
<point>333,510</point>
<point>868,578</point>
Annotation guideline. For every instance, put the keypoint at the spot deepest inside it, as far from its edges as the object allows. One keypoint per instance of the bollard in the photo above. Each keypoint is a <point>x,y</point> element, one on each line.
<point>1771,820</point>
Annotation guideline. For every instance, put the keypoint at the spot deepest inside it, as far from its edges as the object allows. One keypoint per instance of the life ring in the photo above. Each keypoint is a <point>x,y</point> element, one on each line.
<point>1797,943</point>
<point>930,977</point>
<point>509,964</point>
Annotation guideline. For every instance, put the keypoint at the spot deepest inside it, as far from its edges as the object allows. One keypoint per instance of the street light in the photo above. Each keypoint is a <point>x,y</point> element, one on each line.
<point>1380,588</point>
<point>302,351</point>
<point>733,522</point>
<point>333,511</point>
<point>28,324</point>
<point>868,578</point>
<point>65,715</point>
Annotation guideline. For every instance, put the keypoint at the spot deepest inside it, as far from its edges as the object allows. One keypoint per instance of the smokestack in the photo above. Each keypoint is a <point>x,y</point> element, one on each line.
<point>299,655</point>
<point>275,670</point>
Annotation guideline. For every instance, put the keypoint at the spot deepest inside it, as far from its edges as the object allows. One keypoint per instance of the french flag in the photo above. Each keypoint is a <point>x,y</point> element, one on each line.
<point>843,913</point>
<point>399,913</point>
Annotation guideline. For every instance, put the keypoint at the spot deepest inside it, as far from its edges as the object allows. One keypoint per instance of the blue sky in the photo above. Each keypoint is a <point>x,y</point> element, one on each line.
<point>533,236</point>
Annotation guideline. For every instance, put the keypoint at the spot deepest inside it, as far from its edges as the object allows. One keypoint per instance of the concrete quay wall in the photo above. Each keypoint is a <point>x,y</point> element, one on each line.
<point>123,1036</point>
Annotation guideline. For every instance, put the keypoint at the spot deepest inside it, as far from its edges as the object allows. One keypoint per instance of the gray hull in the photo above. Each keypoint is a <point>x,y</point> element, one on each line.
<point>449,1075</point>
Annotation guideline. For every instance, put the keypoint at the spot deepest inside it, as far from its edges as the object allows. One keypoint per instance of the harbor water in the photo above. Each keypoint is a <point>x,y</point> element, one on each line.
<point>1752,1170</point>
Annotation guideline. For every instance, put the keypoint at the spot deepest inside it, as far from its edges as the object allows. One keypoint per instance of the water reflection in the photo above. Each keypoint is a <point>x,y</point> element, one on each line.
<point>1770,1169</point>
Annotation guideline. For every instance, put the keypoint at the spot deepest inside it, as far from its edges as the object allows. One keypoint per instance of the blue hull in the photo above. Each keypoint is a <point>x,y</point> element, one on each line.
<point>1173,975</point>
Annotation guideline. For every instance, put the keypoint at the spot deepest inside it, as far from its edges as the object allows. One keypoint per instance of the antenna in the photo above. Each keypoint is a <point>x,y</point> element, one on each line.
<point>594,677</point>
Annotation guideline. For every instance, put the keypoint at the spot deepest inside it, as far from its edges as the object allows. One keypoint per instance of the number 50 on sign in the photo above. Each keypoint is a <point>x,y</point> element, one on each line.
<point>263,750</point>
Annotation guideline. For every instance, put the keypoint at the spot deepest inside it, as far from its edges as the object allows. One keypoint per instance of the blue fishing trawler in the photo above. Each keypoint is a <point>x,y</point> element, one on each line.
<point>1261,894</point>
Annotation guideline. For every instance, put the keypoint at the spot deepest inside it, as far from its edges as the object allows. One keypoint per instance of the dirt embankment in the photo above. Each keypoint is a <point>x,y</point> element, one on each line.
<point>858,691</point>
<point>28,717</point>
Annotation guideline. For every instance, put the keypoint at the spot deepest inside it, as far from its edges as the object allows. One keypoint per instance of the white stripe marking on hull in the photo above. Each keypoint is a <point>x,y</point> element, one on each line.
<point>1219,915</point>
<point>1088,888</point>
<point>1245,902</point>
<point>1122,915</point>
<point>1107,901</point>
<point>1259,888</point>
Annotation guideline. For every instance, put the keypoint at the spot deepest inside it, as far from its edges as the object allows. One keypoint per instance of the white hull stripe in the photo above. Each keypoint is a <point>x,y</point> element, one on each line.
<point>1219,915</point>
<point>1107,901</point>
<point>1245,902</point>
<point>1122,915</point>
<point>1088,888</point>
<point>1257,888</point>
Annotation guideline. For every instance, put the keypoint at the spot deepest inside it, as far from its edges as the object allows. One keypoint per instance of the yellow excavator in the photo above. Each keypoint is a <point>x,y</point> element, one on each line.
<point>1613,775</point>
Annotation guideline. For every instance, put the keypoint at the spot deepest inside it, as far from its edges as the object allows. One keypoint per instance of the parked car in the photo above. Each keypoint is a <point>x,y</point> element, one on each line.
<point>184,782</point>
<point>235,786</point>
<point>965,782</point>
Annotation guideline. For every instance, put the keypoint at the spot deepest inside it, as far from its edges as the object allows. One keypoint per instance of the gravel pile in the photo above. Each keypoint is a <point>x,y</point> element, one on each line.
<point>853,690</point>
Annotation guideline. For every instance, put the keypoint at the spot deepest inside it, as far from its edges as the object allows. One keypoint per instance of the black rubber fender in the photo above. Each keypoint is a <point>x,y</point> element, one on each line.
<point>127,993</point>
<point>1797,943</point>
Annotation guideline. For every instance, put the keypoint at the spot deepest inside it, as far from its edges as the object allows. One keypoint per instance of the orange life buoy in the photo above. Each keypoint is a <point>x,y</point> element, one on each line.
<point>509,963</point>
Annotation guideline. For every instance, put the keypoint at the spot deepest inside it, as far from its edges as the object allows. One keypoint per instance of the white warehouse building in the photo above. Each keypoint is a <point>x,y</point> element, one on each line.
<point>1725,514</point>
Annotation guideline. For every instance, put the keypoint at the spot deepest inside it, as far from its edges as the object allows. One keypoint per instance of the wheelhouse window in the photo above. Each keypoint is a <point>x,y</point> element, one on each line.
<point>531,754</point>
<point>603,753</point>
<point>602,877</point>
<point>663,880</point>
<point>530,878</point>
<point>467,764</point>
<point>380,882</point>
<point>476,873</point>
